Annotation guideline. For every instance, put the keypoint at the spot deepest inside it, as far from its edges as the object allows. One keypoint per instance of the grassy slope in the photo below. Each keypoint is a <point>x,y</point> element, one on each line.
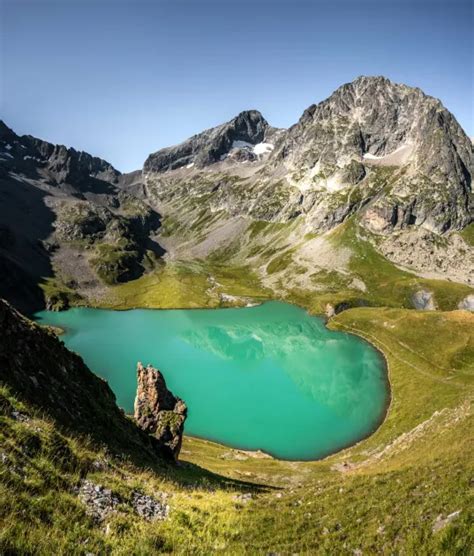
<point>415,467</point>
<point>468,234</point>
<point>186,285</point>
<point>387,285</point>
<point>425,473</point>
<point>200,283</point>
<point>385,503</point>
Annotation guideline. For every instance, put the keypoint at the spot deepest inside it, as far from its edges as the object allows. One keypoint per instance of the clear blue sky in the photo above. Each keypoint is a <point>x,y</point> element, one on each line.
<point>122,78</point>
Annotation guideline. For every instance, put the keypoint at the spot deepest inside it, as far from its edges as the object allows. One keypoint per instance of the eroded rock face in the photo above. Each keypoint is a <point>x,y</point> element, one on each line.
<point>157,411</point>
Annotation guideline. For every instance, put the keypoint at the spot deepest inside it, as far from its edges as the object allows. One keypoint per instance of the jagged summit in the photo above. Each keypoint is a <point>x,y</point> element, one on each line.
<point>375,122</point>
<point>55,164</point>
<point>249,128</point>
<point>339,145</point>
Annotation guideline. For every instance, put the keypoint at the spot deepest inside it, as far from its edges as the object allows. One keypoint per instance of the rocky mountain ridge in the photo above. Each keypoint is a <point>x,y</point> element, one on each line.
<point>372,142</point>
<point>383,154</point>
<point>236,139</point>
<point>55,164</point>
<point>64,211</point>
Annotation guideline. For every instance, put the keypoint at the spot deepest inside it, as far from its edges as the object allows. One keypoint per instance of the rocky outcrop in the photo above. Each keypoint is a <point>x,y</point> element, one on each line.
<point>120,235</point>
<point>442,256</point>
<point>212,145</point>
<point>39,369</point>
<point>101,502</point>
<point>157,411</point>
<point>467,303</point>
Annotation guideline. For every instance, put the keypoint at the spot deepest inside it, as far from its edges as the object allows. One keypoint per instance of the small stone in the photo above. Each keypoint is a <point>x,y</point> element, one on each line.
<point>150,508</point>
<point>245,497</point>
<point>442,522</point>
<point>100,502</point>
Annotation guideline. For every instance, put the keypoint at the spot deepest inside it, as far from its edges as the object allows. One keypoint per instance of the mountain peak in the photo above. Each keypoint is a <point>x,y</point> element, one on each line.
<point>249,127</point>
<point>29,155</point>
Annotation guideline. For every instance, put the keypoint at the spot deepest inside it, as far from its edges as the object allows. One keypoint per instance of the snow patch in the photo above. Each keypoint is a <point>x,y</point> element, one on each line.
<point>28,157</point>
<point>8,155</point>
<point>259,149</point>
<point>370,156</point>
<point>191,165</point>
<point>396,158</point>
<point>263,148</point>
<point>8,147</point>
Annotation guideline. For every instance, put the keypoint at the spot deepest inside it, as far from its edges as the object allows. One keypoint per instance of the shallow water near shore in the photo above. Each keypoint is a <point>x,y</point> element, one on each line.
<point>269,377</point>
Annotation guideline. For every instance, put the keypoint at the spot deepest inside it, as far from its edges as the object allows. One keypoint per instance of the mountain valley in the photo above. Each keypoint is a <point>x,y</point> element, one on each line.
<point>362,211</point>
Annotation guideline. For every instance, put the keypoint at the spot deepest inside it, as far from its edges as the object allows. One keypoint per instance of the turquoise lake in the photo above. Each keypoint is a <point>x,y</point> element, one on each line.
<point>269,377</point>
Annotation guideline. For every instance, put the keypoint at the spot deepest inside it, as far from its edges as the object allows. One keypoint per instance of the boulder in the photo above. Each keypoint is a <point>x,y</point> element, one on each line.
<point>423,301</point>
<point>467,303</point>
<point>157,411</point>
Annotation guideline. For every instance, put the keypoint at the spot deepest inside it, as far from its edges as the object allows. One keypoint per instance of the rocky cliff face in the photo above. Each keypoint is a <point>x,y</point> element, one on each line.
<point>373,123</point>
<point>386,151</point>
<point>237,138</point>
<point>38,368</point>
<point>68,214</point>
<point>56,164</point>
<point>157,411</point>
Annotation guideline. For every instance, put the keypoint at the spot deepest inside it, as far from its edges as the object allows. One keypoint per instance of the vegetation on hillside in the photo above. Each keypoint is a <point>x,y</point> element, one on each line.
<point>404,489</point>
<point>392,492</point>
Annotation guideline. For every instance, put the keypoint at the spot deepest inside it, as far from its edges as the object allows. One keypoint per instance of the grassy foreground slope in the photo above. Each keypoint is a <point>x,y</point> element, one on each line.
<point>406,489</point>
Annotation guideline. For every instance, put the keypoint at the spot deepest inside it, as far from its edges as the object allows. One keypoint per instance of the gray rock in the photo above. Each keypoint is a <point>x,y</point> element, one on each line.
<point>441,522</point>
<point>423,300</point>
<point>100,501</point>
<point>57,163</point>
<point>330,310</point>
<point>150,508</point>
<point>244,497</point>
<point>157,411</point>
<point>211,145</point>
<point>467,303</point>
